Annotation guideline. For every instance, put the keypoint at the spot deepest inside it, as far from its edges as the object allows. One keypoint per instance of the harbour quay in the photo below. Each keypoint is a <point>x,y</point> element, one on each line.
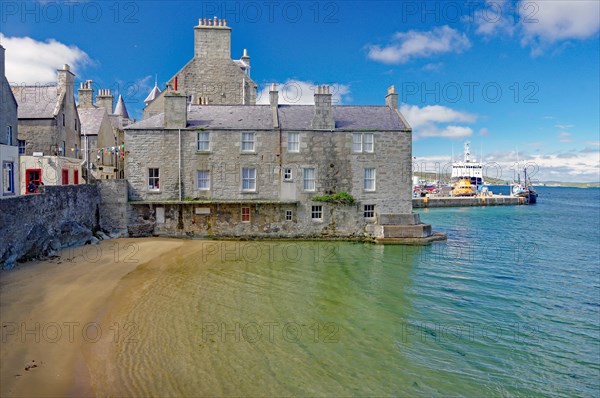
<point>495,200</point>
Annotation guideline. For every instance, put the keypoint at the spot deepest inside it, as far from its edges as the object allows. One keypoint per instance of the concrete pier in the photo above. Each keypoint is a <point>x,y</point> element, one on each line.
<point>497,200</point>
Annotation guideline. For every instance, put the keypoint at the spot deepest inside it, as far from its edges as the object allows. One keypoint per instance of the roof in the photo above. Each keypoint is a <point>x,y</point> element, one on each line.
<point>154,122</point>
<point>120,109</point>
<point>291,117</point>
<point>91,120</point>
<point>259,117</point>
<point>153,94</point>
<point>37,102</point>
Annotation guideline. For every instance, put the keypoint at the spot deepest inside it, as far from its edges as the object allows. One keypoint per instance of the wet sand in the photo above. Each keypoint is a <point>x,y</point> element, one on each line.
<point>52,315</point>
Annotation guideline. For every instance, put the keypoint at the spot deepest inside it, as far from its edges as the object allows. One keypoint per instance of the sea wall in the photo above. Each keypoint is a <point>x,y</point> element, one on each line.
<point>34,226</point>
<point>266,221</point>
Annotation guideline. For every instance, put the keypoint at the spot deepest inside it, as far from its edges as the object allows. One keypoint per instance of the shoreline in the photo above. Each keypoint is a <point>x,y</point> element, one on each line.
<point>52,311</point>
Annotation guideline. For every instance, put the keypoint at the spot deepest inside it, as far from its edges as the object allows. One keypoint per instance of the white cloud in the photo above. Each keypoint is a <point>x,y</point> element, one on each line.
<point>484,132</point>
<point>418,44</point>
<point>564,137</point>
<point>494,18</point>
<point>437,121</point>
<point>298,92</point>
<point>550,21</point>
<point>31,61</point>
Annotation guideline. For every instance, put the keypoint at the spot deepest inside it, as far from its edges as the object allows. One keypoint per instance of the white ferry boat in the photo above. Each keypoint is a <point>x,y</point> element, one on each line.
<point>468,168</point>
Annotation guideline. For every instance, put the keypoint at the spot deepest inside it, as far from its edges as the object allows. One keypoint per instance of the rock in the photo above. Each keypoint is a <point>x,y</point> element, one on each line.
<point>10,262</point>
<point>102,236</point>
<point>74,234</point>
<point>55,245</point>
<point>94,241</point>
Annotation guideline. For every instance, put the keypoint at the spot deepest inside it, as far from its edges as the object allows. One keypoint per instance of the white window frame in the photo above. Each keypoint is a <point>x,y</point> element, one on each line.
<point>288,175</point>
<point>293,142</point>
<point>356,142</point>
<point>289,215</point>
<point>8,170</point>
<point>24,147</point>
<point>363,142</point>
<point>155,185</point>
<point>370,179</point>
<point>206,179</point>
<point>316,213</point>
<point>369,211</point>
<point>204,141</point>
<point>368,145</point>
<point>248,142</point>
<point>249,177</point>
<point>309,182</point>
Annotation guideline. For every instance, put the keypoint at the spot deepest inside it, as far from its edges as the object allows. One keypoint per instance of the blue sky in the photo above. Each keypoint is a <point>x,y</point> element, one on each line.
<point>505,75</point>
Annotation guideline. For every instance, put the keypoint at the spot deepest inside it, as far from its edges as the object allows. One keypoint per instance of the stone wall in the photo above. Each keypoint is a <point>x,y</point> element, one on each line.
<point>267,220</point>
<point>114,210</point>
<point>33,226</point>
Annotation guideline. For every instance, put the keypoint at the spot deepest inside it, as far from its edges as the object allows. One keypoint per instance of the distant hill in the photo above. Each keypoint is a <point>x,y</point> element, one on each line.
<point>569,184</point>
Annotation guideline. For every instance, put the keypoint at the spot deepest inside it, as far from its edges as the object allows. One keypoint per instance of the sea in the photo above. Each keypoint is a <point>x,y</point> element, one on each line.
<point>508,306</point>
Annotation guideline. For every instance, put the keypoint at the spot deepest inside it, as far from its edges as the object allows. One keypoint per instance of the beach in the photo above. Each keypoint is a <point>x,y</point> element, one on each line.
<point>52,314</point>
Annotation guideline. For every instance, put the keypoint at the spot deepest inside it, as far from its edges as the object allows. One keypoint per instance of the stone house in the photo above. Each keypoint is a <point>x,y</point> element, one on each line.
<point>254,170</point>
<point>211,77</point>
<point>208,165</point>
<point>49,128</point>
<point>9,150</point>
<point>102,132</point>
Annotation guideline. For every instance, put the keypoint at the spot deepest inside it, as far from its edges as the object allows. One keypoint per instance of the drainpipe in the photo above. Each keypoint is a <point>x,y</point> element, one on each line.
<point>180,198</point>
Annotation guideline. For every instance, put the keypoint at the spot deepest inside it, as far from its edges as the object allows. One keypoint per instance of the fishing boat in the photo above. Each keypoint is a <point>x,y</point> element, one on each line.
<point>524,190</point>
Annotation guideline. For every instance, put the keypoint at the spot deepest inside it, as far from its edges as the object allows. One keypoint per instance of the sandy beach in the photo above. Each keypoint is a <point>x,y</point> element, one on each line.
<point>52,315</point>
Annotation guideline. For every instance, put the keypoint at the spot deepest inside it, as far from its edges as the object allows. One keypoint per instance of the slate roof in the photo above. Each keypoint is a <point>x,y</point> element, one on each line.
<point>37,102</point>
<point>258,117</point>
<point>91,120</point>
<point>291,117</point>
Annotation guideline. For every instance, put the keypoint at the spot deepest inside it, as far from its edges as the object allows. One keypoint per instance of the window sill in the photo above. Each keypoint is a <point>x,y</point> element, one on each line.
<point>368,192</point>
<point>249,192</point>
<point>248,153</point>
<point>203,152</point>
<point>317,220</point>
<point>288,180</point>
<point>154,191</point>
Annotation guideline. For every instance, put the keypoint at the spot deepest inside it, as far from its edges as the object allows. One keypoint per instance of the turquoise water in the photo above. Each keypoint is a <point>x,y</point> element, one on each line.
<point>508,306</point>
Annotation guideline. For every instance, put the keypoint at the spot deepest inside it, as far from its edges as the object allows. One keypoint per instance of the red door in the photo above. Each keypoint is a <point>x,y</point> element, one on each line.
<point>75,177</point>
<point>65,176</point>
<point>32,180</point>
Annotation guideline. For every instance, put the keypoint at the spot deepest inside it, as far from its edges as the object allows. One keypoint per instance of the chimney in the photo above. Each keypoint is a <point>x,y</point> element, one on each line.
<point>175,108</point>
<point>86,94</point>
<point>212,39</point>
<point>105,100</point>
<point>391,99</point>
<point>323,119</point>
<point>66,81</point>
<point>246,57</point>
<point>273,96</point>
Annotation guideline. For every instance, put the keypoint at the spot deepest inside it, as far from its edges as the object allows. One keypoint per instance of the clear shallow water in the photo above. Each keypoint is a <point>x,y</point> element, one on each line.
<point>508,306</point>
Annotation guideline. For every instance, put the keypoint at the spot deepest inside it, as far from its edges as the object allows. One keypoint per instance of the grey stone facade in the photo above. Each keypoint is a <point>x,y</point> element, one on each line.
<point>48,118</point>
<point>9,128</point>
<point>101,132</point>
<point>328,146</point>
<point>211,77</point>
